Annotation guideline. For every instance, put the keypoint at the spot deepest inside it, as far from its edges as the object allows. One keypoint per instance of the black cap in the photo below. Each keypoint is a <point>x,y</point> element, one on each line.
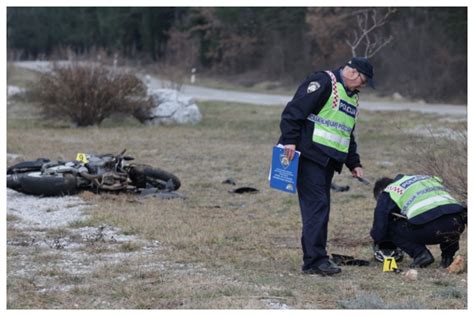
<point>364,67</point>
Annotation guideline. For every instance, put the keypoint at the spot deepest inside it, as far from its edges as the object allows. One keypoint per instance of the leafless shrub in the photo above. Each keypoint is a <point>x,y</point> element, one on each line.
<point>86,94</point>
<point>443,155</point>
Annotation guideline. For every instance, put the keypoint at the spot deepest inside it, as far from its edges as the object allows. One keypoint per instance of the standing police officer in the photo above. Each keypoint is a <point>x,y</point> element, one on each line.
<point>319,122</point>
<point>415,210</point>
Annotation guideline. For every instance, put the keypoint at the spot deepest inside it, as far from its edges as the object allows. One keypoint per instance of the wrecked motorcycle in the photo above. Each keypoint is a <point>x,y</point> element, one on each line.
<point>96,173</point>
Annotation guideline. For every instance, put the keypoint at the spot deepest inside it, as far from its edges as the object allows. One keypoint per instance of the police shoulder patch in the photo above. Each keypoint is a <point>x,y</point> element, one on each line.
<point>313,86</point>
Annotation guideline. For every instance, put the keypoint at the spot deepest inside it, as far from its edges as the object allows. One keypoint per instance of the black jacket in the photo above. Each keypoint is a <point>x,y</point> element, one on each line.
<point>298,130</point>
<point>386,206</point>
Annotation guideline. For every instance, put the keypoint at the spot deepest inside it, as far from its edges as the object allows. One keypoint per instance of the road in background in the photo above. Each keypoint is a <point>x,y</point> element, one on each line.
<point>209,94</point>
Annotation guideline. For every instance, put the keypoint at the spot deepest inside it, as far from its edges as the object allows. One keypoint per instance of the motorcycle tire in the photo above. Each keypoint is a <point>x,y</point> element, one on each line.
<point>14,181</point>
<point>150,173</point>
<point>36,183</point>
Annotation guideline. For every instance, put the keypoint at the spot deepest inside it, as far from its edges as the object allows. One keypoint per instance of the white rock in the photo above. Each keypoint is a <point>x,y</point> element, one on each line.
<point>172,108</point>
<point>190,114</point>
<point>165,109</point>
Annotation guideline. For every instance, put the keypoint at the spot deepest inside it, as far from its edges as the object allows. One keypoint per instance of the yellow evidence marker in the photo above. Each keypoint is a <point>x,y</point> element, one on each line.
<point>389,264</point>
<point>82,157</point>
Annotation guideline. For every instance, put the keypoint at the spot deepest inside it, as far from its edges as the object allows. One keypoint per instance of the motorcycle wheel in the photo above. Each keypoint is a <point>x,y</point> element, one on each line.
<point>151,175</point>
<point>36,183</point>
<point>14,181</point>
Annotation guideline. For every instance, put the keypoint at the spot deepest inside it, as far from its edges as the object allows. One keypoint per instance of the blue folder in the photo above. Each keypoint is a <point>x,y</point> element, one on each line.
<point>283,172</point>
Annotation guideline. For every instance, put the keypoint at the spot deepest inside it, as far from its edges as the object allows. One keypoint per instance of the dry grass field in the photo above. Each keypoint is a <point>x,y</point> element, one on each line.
<point>213,249</point>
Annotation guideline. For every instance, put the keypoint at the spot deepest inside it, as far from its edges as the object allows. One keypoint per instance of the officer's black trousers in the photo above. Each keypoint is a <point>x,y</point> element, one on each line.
<point>444,231</point>
<point>314,184</point>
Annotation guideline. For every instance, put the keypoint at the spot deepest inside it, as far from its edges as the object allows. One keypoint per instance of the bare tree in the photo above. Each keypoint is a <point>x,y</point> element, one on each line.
<point>368,22</point>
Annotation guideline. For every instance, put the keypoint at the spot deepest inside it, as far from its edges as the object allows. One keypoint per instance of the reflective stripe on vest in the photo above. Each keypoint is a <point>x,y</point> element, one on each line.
<point>316,119</point>
<point>415,195</point>
<point>334,123</point>
<point>334,138</point>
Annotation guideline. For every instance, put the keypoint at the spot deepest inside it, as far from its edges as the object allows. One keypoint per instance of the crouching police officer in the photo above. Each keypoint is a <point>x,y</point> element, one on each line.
<point>414,211</point>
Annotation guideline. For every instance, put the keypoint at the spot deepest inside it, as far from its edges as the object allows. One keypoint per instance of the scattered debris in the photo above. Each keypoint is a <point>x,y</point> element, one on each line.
<point>230,181</point>
<point>339,188</point>
<point>348,260</point>
<point>243,190</point>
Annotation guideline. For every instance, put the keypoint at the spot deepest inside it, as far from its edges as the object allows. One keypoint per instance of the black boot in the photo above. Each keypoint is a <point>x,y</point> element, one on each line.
<point>326,268</point>
<point>422,260</point>
<point>446,261</point>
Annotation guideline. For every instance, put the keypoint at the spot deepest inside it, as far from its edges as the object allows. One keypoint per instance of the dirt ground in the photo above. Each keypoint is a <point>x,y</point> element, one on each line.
<point>212,249</point>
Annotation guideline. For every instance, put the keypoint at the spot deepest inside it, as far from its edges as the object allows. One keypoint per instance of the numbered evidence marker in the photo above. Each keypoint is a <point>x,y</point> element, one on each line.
<point>389,264</point>
<point>82,157</point>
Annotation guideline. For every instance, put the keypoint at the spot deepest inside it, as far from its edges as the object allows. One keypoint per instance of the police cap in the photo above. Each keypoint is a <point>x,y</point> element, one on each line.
<point>364,67</point>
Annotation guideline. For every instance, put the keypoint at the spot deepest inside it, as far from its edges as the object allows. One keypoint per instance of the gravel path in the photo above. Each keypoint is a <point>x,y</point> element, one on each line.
<point>40,213</point>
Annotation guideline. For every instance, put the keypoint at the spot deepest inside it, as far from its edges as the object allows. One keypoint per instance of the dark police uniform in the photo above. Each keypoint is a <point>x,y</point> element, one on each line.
<point>317,163</point>
<point>441,225</point>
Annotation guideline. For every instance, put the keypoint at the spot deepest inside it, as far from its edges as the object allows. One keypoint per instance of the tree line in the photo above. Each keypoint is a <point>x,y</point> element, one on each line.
<point>417,52</point>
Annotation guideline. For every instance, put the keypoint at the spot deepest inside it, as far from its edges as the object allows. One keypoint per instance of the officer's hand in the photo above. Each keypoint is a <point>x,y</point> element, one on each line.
<point>290,151</point>
<point>358,172</point>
